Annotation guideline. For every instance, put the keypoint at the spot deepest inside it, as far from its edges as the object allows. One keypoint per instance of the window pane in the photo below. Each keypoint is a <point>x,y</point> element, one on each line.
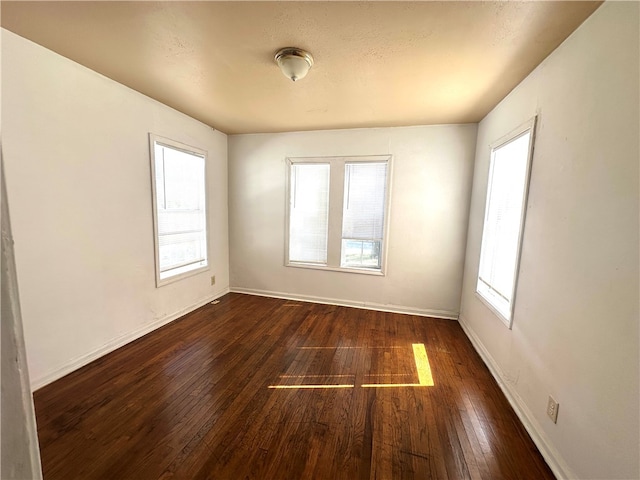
<point>360,254</point>
<point>181,210</point>
<point>503,216</point>
<point>363,214</point>
<point>184,174</point>
<point>176,221</point>
<point>178,250</point>
<point>309,213</point>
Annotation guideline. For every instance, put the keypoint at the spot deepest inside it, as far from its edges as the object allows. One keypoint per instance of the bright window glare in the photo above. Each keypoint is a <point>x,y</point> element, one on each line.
<point>309,213</point>
<point>363,215</point>
<point>180,201</point>
<point>503,222</point>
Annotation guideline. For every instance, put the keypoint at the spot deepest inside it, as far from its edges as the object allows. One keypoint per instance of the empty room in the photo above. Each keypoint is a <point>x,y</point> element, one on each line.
<point>320,240</point>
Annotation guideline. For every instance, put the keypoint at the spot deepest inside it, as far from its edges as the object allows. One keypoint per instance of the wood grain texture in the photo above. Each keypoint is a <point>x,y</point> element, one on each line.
<point>192,400</point>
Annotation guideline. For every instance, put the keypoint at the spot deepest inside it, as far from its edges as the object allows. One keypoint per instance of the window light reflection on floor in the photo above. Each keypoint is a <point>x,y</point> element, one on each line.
<point>425,378</point>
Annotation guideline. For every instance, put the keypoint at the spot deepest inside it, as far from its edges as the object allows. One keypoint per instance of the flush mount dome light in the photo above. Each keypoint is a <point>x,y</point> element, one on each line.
<point>294,62</point>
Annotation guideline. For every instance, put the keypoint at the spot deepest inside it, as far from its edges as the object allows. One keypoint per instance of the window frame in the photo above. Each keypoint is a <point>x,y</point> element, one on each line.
<point>336,199</point>
<point>173,144</point>
<point>528,126</point>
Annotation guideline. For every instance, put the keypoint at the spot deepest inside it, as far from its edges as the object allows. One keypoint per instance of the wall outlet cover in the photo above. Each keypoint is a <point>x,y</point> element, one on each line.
<point>552,409</point>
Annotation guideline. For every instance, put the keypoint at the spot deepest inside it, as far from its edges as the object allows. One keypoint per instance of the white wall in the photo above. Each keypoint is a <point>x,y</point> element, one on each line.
<point>78,177</point>
<point>432,168</point>
<point>575,328</point>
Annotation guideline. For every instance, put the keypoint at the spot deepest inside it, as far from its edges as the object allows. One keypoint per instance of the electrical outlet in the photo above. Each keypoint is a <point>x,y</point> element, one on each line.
<point>213,279</point>
<point>552,409</point>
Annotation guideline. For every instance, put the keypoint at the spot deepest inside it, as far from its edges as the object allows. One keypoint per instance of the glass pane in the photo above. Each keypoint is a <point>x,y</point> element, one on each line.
<point>365,187</point>
<point>360,253</point>
<point>308,213</point>
<point>176,221</point>
<point>364,198</point>
<point>181,210</point>
<point>183,180</point>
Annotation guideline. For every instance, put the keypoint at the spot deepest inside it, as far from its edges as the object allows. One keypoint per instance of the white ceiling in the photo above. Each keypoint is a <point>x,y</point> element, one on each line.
<point>376,63</point>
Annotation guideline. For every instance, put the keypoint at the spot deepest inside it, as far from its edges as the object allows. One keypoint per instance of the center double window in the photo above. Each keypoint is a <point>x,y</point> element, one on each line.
<point>337,212</point>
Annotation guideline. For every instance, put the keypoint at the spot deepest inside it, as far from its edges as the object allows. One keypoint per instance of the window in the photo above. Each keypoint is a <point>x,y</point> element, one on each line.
<point>504,220</point>
<point>309,213</point>
<point>180,212</point>
<point>363,214</point>
<point>337,211</point>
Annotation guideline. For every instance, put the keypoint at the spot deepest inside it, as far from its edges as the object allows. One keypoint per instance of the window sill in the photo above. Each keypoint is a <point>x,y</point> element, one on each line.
<point>175,278</point>
<point>494,310</point>
<point>361,271</point>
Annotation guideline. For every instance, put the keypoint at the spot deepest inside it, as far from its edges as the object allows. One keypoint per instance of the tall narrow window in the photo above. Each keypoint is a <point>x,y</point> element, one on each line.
<point>365,187</point>
<point>504,221</point>
<point>309,213</point>
<point>337,213</point>
<point>179,200</point>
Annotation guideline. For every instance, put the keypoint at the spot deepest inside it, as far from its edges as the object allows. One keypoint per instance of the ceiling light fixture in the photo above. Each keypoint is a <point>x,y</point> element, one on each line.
<point>294,62</point>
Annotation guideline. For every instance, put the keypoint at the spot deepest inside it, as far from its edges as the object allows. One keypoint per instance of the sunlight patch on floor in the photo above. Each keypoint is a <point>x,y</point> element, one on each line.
<point>423,369</point>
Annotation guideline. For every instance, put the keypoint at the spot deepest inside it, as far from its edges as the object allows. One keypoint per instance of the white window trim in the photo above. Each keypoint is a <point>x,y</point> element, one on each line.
<point>153,139</point>
<point>531,126</point>
<point>336,196</point>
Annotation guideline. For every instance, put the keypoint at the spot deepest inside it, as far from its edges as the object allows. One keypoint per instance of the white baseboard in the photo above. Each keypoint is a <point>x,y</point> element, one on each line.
<point>118,342</point>
<point>349,303</point>
<point>551,455</point>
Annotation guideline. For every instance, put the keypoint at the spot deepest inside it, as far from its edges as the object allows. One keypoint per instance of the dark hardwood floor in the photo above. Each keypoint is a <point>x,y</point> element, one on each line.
<point>197,399</point>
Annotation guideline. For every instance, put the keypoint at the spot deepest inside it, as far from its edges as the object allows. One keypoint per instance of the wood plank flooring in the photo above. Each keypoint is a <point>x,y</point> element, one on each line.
<point>196,399</point>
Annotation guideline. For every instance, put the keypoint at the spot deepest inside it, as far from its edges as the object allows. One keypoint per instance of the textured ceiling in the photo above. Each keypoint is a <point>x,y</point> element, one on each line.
<point>376,63</point>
